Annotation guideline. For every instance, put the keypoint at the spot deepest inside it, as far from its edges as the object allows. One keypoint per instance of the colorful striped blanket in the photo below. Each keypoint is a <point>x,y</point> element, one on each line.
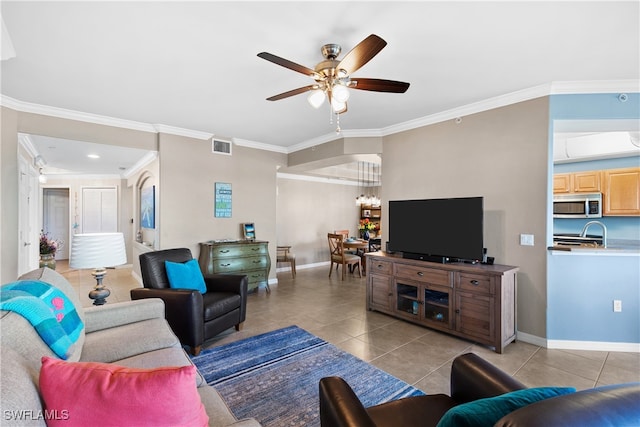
<point>48,309</point>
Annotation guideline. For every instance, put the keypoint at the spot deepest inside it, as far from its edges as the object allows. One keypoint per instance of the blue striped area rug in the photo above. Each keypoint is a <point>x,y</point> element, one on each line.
<point>274,377</point>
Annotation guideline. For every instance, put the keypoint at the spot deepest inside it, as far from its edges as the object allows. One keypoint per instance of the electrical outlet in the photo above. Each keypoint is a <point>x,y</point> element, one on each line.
<point>617,306</point>
<point>526,240</point>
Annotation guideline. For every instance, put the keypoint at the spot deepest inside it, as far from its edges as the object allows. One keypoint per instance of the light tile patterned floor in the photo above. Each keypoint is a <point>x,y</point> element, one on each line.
<point>335,310</point>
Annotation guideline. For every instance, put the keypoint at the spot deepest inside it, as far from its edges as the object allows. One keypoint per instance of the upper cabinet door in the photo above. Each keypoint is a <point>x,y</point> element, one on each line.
<point>562,183</point>
<point>586,182</point>
<point>621,192</point>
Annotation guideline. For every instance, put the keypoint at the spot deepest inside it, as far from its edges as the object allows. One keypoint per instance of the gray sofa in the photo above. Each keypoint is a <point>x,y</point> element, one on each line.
<point>134,334</point>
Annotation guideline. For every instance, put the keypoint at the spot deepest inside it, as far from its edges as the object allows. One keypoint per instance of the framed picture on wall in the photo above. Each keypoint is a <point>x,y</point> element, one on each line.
<point>223,200</point>
<point>148,207</point>
<point>249,231</point>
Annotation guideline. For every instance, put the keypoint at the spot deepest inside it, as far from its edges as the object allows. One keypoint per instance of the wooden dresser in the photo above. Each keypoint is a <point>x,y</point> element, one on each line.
<point>250,257</point>
<point>476,302</point>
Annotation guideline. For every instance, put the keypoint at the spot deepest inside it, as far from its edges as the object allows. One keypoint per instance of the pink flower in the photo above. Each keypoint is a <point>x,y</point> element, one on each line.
<point>58,303</point>
<point>59,317</point>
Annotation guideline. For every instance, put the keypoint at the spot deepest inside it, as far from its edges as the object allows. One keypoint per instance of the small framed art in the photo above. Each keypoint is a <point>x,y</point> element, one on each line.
<point>148,207</point>
<point>249,231</point>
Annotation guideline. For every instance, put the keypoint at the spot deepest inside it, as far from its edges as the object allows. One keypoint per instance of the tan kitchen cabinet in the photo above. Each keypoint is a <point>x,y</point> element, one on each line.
<point>621,192</point>
<point>577,182</point>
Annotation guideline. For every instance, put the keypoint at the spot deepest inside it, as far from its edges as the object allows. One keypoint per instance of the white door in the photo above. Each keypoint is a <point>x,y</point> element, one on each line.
<point>55,219</point>
<point>100,210</point>
<point>27,218</point>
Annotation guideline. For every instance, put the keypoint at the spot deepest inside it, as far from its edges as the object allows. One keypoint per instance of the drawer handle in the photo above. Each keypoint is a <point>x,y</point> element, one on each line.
<point>225,265</point>
<point>390,294</point>
<point>474,282</point>
<point>257,261</point>
<point>224,251</point>
<point>255,249</point>
<point>420,273</point>
<point>380,266</point>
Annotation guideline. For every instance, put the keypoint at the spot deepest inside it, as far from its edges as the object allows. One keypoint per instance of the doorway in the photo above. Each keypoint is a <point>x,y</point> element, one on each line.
<point>55,218</point>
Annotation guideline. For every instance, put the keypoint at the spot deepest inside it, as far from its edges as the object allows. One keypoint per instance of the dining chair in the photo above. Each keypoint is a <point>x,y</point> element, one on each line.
<point>284,255</point>
<point>345,233</point>
<point>338,255</point>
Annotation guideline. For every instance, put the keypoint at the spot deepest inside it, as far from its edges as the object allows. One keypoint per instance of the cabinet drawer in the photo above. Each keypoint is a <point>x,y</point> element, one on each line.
<point>224,265</point>
<point>379,267</point>
<point>475,283</point>
<point>428,275</point>
<point>256,276</point>
<point>231,251</point>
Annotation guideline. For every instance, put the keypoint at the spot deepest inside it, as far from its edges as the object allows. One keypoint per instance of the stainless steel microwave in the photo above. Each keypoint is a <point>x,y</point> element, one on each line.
<point>587,205</point>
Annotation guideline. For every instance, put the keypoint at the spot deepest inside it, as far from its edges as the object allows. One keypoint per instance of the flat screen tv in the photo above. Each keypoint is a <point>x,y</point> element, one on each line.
<point>441,230</point>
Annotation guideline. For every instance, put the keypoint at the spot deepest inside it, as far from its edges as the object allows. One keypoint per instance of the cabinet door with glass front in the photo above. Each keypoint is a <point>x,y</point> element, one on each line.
<point>438,306</point>
<point>423,302</point>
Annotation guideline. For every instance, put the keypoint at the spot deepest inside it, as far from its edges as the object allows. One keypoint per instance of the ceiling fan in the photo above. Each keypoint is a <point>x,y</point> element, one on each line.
<point>333,76</point>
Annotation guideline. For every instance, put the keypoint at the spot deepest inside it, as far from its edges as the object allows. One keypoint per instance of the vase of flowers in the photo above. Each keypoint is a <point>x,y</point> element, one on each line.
<point>365,227</point>
<point>48,248</point>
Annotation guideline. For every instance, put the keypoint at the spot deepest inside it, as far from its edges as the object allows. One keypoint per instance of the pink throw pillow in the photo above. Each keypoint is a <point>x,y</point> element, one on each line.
<point>102,394</point>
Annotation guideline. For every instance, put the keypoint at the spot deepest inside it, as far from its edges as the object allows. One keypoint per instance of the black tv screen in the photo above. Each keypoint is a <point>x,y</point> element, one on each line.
<point>437,228</point>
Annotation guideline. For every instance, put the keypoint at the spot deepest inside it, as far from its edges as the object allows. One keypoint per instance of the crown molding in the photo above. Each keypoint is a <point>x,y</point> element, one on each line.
<point>189,133</point>
<point>27,143</point>
<point>313,178</point>
<point>79,176</point>
<point>259,145</point>
<point>553,88</point>
<point>144,161</point>
<point>465,110</point>
<point>27,107</point>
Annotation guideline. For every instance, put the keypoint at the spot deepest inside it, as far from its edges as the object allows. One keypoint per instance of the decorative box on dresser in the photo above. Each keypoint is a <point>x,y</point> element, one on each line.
<point>250,257</point>
<point>472,301</point>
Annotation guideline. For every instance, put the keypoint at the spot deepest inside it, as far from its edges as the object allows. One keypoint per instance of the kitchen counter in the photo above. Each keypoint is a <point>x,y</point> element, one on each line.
<point>612,249</point>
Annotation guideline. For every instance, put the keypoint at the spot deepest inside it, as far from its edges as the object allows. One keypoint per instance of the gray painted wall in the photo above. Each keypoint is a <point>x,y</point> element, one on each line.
<point>501,155</point>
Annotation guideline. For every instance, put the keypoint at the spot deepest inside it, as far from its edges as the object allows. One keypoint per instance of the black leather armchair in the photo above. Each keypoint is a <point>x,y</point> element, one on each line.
<point>474,378</point>
<point>194,317</point>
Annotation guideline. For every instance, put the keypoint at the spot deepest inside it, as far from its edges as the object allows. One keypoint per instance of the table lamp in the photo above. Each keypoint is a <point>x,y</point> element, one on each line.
<point>97,251</point>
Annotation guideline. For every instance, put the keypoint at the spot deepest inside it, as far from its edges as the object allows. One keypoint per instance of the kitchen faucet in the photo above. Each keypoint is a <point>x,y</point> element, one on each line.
<point>604,231</point>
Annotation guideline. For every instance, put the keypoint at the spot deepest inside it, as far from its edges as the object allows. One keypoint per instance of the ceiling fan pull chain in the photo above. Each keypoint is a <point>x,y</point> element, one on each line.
<point>338,123</point>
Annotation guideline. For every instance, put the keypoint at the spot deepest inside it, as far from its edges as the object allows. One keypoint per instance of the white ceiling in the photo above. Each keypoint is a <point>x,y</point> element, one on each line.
<point>193,65</point>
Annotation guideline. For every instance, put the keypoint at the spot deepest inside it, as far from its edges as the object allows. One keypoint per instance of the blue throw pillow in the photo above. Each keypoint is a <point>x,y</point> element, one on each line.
<point>185,275</point>
<point>486,412</point>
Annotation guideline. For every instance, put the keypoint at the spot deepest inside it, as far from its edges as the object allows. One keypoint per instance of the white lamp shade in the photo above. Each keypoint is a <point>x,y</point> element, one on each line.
<point>338,107</point>
<point>340,93</point>
<point>316,98</point>
<point>97,250</point>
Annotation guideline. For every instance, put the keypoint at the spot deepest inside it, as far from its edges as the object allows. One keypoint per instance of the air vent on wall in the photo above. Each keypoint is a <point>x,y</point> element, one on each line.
<point>220,146</point>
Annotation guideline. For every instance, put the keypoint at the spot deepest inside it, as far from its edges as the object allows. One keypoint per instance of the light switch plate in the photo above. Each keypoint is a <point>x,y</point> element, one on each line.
<point>526,240</point>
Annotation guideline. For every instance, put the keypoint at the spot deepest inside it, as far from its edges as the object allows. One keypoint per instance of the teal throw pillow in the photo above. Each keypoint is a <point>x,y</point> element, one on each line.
<point>486,412</point>
<point>185,275</point>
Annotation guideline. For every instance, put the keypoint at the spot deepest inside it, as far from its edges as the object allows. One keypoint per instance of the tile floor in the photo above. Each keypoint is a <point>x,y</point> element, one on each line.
<point>335,311</point>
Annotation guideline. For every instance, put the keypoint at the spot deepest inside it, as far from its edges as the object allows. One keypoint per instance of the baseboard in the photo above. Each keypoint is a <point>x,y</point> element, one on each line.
<point>303,266</point>
<point>531,339</point>
<point>628,347</point>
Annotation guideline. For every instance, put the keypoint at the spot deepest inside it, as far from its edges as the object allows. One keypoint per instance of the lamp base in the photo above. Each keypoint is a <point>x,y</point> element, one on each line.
<point>99,294</point>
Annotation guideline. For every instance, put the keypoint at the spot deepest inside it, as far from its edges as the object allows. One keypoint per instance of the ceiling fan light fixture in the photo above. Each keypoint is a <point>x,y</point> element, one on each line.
<point>316,98</point>
<point>337,106</point>
<point>340,93</point>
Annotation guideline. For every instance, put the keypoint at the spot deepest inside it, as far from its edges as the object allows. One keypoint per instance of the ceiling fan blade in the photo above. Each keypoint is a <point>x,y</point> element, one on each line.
<point>291,93</point>
<point>379,85</point>
<point>361,54</point>
<point>288,64</point>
